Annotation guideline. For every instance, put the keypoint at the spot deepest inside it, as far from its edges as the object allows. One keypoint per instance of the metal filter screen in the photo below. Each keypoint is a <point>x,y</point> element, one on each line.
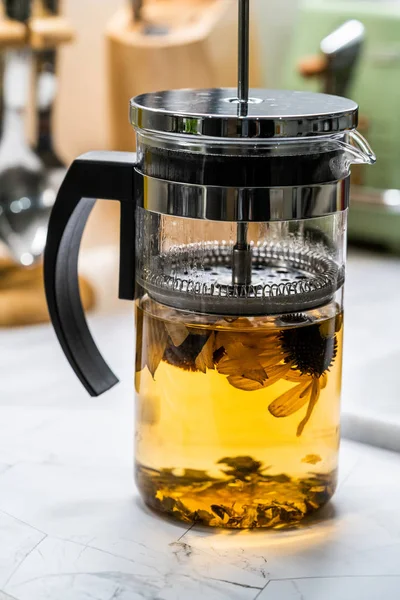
<point>283,280</point>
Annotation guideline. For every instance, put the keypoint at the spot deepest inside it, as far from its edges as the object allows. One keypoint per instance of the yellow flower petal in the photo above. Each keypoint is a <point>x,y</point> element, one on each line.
<point>276,373</point>
<point>323,380</point>
<point>205,359</point>
<point>242,383</point>
<point>306,390</point>
<point>315,390</point>
<point>268,362</point>
<point>256,375</point>
<point>297,377</point>
<point>177,332</point>
<point>236,366</point>
<point>157,337</point>
<point>289,402</point>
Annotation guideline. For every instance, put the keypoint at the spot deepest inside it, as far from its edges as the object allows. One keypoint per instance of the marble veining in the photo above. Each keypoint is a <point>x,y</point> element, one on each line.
<point>370,398</point>
<point>72,526</point>
<point>344,588</point>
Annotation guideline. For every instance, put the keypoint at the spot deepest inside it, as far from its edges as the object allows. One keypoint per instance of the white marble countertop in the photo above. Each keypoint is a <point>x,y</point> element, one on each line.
<point>371,393</point>
<point>72,526</point>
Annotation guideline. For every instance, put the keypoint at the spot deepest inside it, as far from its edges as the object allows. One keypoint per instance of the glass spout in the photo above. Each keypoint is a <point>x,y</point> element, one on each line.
<point>357,149</point>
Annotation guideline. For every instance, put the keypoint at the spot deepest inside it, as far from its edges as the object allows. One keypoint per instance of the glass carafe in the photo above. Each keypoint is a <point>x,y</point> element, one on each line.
<point>233,243</point>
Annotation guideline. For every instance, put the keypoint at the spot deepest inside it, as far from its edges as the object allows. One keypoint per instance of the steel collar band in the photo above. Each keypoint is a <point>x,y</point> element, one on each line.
<point>241,204</point>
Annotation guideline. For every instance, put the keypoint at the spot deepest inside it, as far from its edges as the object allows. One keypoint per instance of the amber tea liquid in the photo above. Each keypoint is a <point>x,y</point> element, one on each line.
<point>237,419</point>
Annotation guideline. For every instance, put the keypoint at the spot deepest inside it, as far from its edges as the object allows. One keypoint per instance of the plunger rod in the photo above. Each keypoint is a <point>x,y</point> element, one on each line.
<point>241,260</point>
<point>243,56</point>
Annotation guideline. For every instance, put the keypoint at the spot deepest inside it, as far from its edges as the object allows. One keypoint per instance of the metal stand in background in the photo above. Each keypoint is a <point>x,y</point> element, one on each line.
<point>137,6</point>
<point>30,177</point>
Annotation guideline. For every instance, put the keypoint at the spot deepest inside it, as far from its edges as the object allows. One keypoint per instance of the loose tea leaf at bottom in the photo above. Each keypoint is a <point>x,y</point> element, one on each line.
<point>271,501</point>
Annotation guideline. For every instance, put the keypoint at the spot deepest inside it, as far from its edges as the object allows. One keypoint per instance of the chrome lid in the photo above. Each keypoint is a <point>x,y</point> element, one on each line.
<point>213,113</point>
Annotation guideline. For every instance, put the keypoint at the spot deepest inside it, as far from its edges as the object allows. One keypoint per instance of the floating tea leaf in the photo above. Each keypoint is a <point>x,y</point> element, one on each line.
<point>282,501</point>
<point>184,356</point>
<point>202,517</point>
<point>156,336</point>
<point>311,459</point>
<point>218,354</point>
<point>205,360</point>
<point>196,475</point>
<point>220,511</point>
<point>177,332</point>
<point>241,466</point>
<point>282,478</point>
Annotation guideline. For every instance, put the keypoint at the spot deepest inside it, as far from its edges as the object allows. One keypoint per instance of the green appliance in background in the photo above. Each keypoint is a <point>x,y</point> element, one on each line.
<point>374,83</point>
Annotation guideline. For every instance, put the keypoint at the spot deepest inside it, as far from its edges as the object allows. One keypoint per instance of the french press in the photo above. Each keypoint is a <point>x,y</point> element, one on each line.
<point>232,246</point>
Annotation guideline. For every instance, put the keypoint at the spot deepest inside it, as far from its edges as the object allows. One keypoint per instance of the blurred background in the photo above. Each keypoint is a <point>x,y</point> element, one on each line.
<point>69,67</point>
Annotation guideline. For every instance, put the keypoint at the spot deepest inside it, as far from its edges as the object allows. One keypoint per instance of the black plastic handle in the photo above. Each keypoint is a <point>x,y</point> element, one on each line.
<point>107,175</point>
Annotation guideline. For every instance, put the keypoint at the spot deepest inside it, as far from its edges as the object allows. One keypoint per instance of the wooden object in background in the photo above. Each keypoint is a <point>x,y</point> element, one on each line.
<point>12,33</point>
<point>41,31</point>
<point>22,298</point>
<point>47,28</point>
<point>199,51</point>
<point>49,32</point>
<point>312,66</point>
